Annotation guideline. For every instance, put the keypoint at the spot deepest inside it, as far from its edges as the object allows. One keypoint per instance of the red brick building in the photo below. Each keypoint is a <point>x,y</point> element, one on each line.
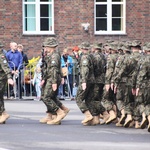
<point>29,21</point>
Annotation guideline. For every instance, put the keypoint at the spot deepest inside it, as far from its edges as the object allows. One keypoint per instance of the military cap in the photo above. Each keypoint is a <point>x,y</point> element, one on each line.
<point>97,46</point>
<point>113,46</point>
<point>125,47</point>
<point>85,45</point>
<point>1,45</point>
<point>50,42</point>
<point>108,42</point>
<point>146,47</point>
<point>135,43</point>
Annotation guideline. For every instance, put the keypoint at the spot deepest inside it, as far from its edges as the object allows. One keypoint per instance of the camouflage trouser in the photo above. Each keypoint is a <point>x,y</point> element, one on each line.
<point>139,105</point>
<point>2,89</point>
<point>97,98</point>
<point>49,97</point>
<point>108,99</point>
<point>84,98</point>
<point>128,100</point>
<point>120,95</point>
<point>147,101</point>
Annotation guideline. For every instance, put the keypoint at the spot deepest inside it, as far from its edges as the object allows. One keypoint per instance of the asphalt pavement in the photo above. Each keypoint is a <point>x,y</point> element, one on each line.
<point>23,131</point>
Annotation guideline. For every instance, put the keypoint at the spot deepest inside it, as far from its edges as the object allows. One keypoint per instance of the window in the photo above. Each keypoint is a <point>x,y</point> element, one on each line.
<point>110,17</point>
<point>38,17</point>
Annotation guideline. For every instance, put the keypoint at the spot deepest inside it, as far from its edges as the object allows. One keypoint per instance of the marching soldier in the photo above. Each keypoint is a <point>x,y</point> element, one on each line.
<point>143,88</point>
<point>129,70</point>
<point>51,80</point>
<point>85,89</point>
<point>5,75</point>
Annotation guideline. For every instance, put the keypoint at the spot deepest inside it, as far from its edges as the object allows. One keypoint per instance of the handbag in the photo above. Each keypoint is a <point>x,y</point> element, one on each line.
<point>64,71</point>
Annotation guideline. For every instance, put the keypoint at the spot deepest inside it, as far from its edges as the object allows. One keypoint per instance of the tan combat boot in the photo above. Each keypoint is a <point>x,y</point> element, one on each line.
<point>123,117</point>
<point>148,128</point>
<point>87,123</point>
<point>60,115</point>
<point>88,117</point>
<point>47,118</point>
<point>118,124</point>
<point>106,116</point>
<point>128,121</point>
<point>112,116</point>
<point>95,121</point>
<point>137,125</point>
<point>144,121</point>
<point>132,124</point>
<point>65,109</point>
<point>4,117</point>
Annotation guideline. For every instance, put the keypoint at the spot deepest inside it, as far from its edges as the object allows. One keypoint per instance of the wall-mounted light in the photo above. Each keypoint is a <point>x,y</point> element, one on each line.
<point>85,26</point>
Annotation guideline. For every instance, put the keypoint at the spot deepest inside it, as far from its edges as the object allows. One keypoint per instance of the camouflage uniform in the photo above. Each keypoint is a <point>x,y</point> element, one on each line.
<point>143,83</point>
<point>84,97</point>
<point>128,72</point>
<point>5,74</point>
<point>108,99</point>
<point>52,78</point>
<point>99,63</point>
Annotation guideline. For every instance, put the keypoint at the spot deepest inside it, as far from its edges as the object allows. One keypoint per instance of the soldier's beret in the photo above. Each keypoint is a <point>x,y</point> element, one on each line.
<point>146,46</point>
<point>113,46</point>
<point>135,43</point>
<point>97,46</point>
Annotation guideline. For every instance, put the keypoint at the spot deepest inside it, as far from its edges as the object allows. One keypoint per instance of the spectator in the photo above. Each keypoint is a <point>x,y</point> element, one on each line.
<point>36,82</point>
<point>66,62</point>
<point>24,64</point>
<point>15,60</point>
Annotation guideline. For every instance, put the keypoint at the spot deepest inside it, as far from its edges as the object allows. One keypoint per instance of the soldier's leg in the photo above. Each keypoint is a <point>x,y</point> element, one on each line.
<point>80,101</point>
<point>3,115</point>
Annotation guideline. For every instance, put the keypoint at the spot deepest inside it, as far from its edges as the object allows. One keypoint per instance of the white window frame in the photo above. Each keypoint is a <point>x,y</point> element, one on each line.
<point>37,9</point>
<point>109,31</point>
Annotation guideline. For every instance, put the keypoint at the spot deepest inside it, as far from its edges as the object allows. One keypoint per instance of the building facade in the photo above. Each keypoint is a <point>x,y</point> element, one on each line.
<point>29,22</point>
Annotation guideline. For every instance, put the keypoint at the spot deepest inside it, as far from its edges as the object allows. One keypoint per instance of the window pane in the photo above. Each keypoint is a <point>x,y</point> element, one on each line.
<point>117,24</point>
<point>30,24</point>
<point>117,0</point>
<point>117,10</point>
<point>101,24</point>
<point>101,0</point>
<point>101,10</point>
<point>45,0</point>
<point>45,17</point>
<point>30,17</point>
<point>29,0</point>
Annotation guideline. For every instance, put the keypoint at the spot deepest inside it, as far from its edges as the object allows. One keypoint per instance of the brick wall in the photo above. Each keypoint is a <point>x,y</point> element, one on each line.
<point>69,14</point>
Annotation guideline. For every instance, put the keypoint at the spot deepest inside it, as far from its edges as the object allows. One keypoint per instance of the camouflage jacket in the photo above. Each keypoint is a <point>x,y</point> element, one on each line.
<point>129,69</point>
<point>4,68</point>
<point>143,78</point>
<point>52,68</point>
<point>110,67</point>
<point>99,63</point>
<point>86,69</point>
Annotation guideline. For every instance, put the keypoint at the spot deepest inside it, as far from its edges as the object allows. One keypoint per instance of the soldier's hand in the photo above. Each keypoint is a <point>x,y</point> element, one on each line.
<point>112,86</point>
<point>137,91</point>
<point>62,81</point>
<point>107,87</point>
<point>42,82</point>
<point>133,91</point>
<point>83,86</point>
<point>54,87</point>
<point>115,89</point>
<point>10,81</point>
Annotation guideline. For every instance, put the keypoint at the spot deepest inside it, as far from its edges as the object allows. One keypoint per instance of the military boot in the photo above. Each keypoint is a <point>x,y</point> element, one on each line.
<point>88,116</point>
<point>95,120</point>
<point>128,121</point>
<point>87,123</point>
<point>105,116</point>
<point>132,124</point>
<point>65,109</point>
<point>47,118</point>
<point>60,115</point>
<point>137,125</point>
<point>118,124</point>
<point>144,121</point>
<point>123,117</point>
<point>112,116</point>
<point>4,117</point>
<point>148,128</point>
